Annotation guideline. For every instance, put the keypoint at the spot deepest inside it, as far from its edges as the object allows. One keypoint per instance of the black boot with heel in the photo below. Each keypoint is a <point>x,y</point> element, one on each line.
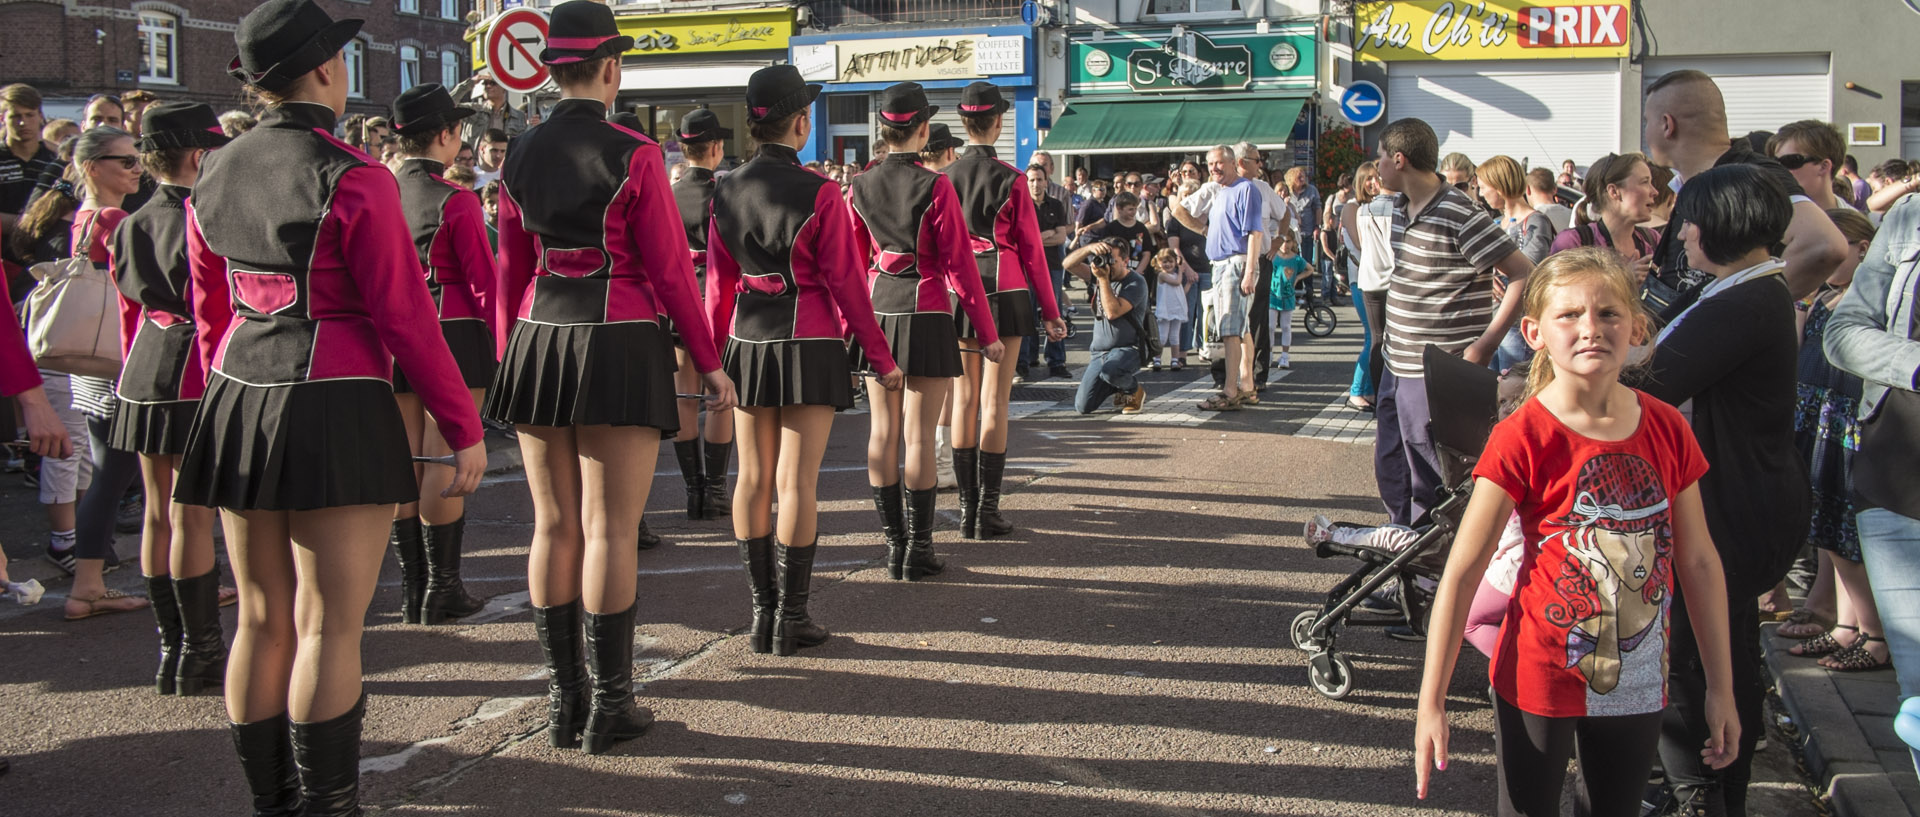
<point>757,555</point>
<point>719,502</point>
<point>991,524</point>
<point>613,716</point>
<point>558,628</point>
<point>687,452</point>
<point>265,748</point>
<point>203,645</point>
<point>793,629</point>
<point>410,552</point>
<point>446,596</point>
<point>889,501</point>
<point>328,753</point>
<point>920,560</point>
<point>166,619</point>
<point>966,469</point>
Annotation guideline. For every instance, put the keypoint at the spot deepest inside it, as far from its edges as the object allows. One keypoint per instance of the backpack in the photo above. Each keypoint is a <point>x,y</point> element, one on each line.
<point>1147,342</point>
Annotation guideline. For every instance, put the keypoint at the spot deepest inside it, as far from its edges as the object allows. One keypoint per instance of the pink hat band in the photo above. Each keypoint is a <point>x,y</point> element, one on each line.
<point>976,108</point>
<point>899,117</point>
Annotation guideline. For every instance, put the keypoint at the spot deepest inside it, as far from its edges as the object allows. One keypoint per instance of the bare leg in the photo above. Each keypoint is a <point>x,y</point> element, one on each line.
<point>686,380</point>
<point>336,556</point>
<point>803,442</point>
<point>611,500</point>
<point>883,440</point>
<point>261,662</point>
<point>759,454</point>
<point>997,390</point>
<point>1856,594</point>
<point>1246,362</point>
<point>434,508</point>
<point>1234,363</point>
<point>156,530</point>
<point>921,406</point>
<point>966,398</point>
<point>414,416</point>
<point>553,476</point>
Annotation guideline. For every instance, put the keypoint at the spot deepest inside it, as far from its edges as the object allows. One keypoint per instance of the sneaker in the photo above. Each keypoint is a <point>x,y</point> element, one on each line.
<point>1285,361</point>
<point>1385,601</point>
<point>62,559</point>
<point>132,514</point>
<point>1060,371</point>
<point>1020,373</point>
<point>1135,402</point>
<point>1402,632</point>
<point>1320,529</point>
<point>1072,310</point>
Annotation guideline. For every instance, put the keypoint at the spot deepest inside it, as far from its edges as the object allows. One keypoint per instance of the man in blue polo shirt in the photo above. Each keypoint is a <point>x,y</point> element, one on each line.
<point>1235,239</point>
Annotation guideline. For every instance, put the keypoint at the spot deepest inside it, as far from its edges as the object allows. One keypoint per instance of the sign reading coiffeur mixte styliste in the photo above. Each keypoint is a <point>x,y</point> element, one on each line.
<point>1491,29</point>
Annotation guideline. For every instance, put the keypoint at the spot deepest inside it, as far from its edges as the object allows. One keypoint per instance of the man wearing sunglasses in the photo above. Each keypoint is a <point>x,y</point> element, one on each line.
<point>1810,150</point>
<point>496,114</point>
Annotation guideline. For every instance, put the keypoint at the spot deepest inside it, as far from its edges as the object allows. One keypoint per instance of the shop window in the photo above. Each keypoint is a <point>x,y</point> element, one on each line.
<point>158,60</point>
<point>355,55</point>
<point>409,6</point>
<point>847,109</point>
<point>450,71</point>
<point>409,67</point>
<point>1910,104</point>
<point>1180,8</point>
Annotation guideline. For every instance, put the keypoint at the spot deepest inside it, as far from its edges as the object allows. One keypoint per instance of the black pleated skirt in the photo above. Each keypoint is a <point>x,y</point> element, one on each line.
<point>152,428</point>
<point>924,344</point>
<point>618,374</point>
<point>1013,316</point>
<point>806,372</point>
<point>472,348</point>
<point>299,447</point>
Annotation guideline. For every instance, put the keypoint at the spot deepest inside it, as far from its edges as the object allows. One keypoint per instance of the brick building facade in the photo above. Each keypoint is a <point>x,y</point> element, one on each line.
<point>180,50</point>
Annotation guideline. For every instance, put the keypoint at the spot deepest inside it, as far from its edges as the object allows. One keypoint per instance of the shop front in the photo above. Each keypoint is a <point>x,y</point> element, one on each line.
<point>681,62</point>
<point>1142,99</point>
<point>1541,84</point>
<point>854,68</point>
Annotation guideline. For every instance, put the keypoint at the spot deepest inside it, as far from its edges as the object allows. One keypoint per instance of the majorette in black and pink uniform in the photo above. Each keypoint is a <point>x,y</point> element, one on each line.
<point>1005,234</point>
<point>912,236</point>
<point>784,286</point>
<point>590,255</point>
<point>305,290</point>
<point>450,237</point>
<point>162,379</point>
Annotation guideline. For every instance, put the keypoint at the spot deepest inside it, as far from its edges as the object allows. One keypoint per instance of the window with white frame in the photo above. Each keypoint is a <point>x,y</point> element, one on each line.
<point>159,33</point>
<point>410,6</point>
<point>409,66</point>
<point>451,71</point>
<point>355,55</point>
<point>1194,8</point>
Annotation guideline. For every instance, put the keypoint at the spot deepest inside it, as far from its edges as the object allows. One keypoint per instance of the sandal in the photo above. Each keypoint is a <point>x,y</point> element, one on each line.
<point>1822,644</point>
<point>1250,397</point>
<point>1220,402</point>
<point>1802,623</point>
<point>108,602</point>
<point>1857,658</point>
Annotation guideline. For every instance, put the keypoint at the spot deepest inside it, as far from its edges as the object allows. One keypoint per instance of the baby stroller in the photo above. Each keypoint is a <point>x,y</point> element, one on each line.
<point>1465,404</point>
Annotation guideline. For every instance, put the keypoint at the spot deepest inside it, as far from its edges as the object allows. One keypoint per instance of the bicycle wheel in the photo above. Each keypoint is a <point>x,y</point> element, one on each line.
<point>1321,321</point>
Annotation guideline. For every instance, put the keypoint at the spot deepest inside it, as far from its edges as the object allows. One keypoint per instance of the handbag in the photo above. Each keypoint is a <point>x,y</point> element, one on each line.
<point>72,316</point>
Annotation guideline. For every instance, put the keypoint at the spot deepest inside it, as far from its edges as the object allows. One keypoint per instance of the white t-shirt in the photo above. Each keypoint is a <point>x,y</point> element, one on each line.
<point>1275,208</point>
<point>1375,221</point>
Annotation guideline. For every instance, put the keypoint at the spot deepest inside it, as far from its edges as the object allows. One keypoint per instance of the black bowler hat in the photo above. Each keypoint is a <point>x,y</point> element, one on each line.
<point>982,98</point>
<point>904,105</point>
<point>425,107</point>
<point>776,91</point>
<point>940,137</point>
<point>579,31</point>
<point>180,125</point>
<point>281,40</point>
<point>628,120</point>
<point>702,126</point>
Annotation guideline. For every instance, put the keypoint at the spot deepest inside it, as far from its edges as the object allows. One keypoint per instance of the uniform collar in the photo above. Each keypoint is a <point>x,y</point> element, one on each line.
<point>574,107</point>
<point>429,165</point>
<point>982,150</point>
<point>901,157</point>
<point>300,115</point>
<point>698,174</point>
<point>778,152</point>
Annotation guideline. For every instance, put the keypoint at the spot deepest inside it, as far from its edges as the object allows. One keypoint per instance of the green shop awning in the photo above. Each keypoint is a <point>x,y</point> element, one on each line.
<point>1172,125</point>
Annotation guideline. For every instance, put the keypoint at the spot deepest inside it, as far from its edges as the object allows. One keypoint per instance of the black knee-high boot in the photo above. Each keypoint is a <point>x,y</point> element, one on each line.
<point>992,466</point>
<point>889,501</point>
<point>719,502</point>
<point>648,540</point>
<point>687,452</point>
<point>446,597</point>
<point>411,553</point>
<point>559,630</point>
<point>966,468</point>
<point>166,618</point>
<point>757,555</point>
<point>265,748</point>
<point>203,650</point>
<point>792,627</point>
<point>920,559</point>
<point>328,753</point>
<point>613,716</point>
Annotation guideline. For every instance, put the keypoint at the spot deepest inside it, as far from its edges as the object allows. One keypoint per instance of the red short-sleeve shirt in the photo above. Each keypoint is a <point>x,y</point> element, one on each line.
<point>1586,627</point>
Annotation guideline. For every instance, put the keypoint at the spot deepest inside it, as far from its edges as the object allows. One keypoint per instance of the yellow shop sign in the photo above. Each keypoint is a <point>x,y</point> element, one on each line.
<point>663,34</point>
<point>1503,30</point>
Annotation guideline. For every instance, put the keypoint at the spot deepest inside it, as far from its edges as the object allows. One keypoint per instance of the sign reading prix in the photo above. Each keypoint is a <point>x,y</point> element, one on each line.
<point>1492,30</point>
<point>659,34</point>
<point>1195,61</point>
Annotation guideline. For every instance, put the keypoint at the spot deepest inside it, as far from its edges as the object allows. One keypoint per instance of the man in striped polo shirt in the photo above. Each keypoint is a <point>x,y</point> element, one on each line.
<point>1445,251</point>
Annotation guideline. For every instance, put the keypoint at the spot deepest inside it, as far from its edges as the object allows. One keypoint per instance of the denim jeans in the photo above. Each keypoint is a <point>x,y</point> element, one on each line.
<point>1363,385</point>
<point>1513,351</point>
<point>1890,545</point>
<point>1056,350</point>
<point>1108,373</point>
<point>1189,329</point>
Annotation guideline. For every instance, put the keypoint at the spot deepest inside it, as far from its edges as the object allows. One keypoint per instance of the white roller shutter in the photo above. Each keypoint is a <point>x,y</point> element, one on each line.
<point>949,115</point>
<point>1537,111</point>
<point>1762,93</point>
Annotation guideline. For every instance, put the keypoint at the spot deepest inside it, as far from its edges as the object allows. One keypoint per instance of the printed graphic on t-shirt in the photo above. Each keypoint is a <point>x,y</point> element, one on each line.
<point>1611,596</point>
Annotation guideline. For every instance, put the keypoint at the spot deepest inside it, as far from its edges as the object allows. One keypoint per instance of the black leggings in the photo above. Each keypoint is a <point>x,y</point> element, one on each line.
<point>1375,303</point>
<point>113,473</point>
<point>1686,720</point>
<point>1616,753</point>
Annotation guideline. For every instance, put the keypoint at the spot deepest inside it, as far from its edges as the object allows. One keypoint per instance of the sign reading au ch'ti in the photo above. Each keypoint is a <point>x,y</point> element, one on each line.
<point>1495,29</point>
<point>1190,60</point>
<point>899,59</point>
<point>659,34</point>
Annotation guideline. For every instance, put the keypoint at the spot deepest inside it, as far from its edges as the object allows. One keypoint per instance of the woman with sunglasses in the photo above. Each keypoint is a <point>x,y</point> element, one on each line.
<point>1812,151</point>
<point>307,290</point>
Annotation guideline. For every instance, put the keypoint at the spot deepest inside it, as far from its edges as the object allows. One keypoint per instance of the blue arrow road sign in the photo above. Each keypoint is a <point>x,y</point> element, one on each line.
<point>1363,103</point>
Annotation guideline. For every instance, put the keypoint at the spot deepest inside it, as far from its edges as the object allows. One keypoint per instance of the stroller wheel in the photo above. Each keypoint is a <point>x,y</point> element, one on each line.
<point>1331,674</point>
<point>1321,320</point>
<point>1302,630</point>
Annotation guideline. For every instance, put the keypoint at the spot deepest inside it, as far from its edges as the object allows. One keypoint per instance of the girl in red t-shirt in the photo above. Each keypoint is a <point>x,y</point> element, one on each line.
<point>1605,482</point>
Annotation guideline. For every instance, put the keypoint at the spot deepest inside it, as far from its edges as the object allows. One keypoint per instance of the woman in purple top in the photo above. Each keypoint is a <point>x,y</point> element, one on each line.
<point>1619,197</point>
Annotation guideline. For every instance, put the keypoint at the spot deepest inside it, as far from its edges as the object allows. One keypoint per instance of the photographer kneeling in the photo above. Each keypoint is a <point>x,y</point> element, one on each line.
<point>1118,326</point>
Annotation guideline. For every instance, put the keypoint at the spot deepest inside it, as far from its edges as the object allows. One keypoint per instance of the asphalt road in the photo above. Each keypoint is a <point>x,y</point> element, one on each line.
<point>1125,651</point>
